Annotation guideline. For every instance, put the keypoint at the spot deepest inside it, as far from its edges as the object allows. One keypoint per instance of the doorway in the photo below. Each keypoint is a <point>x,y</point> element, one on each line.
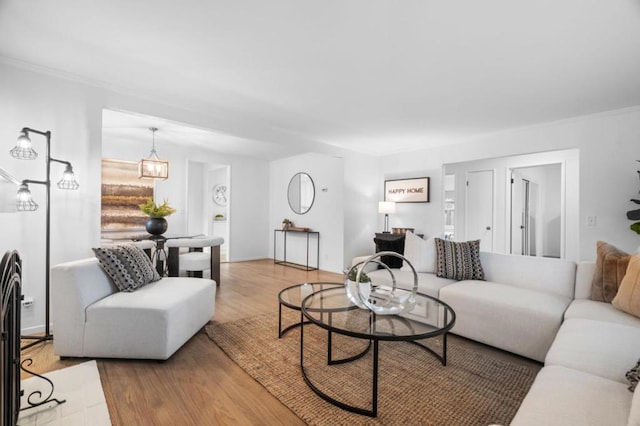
<point>536,208</point>
<point>208,196</point>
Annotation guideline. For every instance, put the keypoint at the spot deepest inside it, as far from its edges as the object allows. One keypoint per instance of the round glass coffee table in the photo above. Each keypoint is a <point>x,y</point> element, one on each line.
<point>291,297</point>
<point>331,309</point>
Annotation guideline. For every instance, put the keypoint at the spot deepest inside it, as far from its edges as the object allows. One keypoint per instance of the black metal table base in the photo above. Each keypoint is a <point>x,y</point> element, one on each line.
<point>295,307</point>
<point>373,412</point>
<point>281,331</point>
<point>295,265</point>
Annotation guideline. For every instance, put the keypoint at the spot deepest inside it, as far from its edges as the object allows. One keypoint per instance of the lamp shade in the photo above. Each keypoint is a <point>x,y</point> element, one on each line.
<point>386,207</point>
<point>24,201</point>
<point>68,180</point>
<point>23,149</point>
<point>153,168</point>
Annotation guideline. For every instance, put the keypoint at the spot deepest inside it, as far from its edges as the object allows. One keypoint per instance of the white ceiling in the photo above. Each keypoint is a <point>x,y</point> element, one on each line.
<point>368,75</point>
<point>121,125</point>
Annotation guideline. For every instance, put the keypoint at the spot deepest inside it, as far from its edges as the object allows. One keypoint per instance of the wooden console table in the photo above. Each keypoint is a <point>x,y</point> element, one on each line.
<point>296,265</point>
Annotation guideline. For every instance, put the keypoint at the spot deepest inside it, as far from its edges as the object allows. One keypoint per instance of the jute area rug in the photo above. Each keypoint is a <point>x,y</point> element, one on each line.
<point>475,388</point>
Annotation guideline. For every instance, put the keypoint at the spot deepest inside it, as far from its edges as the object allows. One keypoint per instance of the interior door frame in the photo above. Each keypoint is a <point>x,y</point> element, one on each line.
<point>563,202</point>
<point>493,204</point>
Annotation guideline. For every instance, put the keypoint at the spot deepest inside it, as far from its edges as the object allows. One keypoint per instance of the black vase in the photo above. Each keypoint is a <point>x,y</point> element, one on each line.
<point>157,225</point>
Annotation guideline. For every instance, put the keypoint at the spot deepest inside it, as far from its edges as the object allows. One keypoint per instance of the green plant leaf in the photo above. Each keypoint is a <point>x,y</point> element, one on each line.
<point>364,278</point>
<point>155,211</point>
<point>635,227</point>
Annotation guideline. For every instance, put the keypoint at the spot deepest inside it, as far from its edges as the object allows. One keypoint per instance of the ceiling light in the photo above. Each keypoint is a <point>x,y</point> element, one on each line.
<point>153,167</point>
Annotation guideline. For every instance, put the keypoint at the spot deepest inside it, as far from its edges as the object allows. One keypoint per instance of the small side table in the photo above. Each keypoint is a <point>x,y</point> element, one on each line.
<point>292,297</point>
<point>292,264</point>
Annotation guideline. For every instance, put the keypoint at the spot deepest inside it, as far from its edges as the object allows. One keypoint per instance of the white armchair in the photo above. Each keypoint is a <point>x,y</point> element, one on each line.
<point>91,318</point>
<point>196,260</point>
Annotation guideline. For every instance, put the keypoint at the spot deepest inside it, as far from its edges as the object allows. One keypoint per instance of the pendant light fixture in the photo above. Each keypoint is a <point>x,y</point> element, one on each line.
<point>153,167</point>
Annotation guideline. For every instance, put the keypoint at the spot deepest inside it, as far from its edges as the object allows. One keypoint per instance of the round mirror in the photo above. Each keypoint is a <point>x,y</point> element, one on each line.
<point>301,193</point>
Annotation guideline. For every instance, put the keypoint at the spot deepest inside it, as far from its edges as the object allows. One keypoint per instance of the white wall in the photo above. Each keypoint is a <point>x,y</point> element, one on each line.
<point>73,115</point>
<point>553,213</point>
<point>196,188</point>
<point>325,216</point>
<point>73,112</point>
<point>608,148</point>
<point>362,191</point>
<point>344,211</point>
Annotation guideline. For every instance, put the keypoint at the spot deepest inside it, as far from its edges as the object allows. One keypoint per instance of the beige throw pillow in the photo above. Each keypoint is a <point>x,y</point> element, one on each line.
<point>611,266</point>
<point>628,297</point>
<point>420,253</point>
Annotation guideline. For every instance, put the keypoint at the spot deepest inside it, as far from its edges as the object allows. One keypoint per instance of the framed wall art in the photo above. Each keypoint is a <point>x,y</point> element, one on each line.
<point>122,193</point>
<point>415,190</point>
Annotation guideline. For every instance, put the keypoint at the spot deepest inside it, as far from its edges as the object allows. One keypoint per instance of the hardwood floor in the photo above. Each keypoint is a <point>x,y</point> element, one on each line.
<point>199,384</point>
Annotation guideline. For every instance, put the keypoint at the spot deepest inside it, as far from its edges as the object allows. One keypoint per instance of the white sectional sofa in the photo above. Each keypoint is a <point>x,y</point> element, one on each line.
<point>519,308</point>
<point>583,381</point>
<point>91,318</point>
<point>540,308</point>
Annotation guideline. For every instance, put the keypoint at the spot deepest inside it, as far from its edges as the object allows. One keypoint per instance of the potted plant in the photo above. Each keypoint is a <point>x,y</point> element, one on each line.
<point>353,289</point>
<point>364,278</point>
<point>157,224</point>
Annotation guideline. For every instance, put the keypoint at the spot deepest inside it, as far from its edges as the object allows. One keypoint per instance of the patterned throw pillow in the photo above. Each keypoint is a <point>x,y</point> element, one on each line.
<point>633,376</point>
<point>127,265</point>
<point>458,260</point>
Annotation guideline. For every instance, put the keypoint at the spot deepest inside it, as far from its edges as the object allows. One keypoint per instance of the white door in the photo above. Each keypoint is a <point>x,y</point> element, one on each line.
<point>479,208</point>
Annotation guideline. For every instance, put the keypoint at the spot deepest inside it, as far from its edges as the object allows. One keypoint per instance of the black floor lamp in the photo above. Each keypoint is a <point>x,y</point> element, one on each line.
<point>24,151</point>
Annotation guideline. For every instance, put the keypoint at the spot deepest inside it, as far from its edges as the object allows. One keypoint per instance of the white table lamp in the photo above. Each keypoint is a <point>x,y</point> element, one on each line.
<point>386,207</point>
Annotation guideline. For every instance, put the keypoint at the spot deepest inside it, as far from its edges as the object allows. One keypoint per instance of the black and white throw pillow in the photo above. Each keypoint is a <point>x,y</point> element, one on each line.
<point>458,260</point>
<point>127,265</point>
